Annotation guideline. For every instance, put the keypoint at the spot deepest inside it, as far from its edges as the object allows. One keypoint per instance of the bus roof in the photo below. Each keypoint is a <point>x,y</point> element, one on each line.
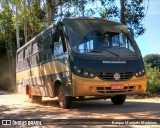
<point>93,18</point>
<point>111,22</point>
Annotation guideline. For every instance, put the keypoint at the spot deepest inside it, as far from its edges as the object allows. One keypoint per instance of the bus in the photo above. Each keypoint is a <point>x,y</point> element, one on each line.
<point>65,61</point>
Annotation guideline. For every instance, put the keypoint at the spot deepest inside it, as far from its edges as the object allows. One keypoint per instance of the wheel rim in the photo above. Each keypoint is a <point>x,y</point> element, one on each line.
<point>61,97</point>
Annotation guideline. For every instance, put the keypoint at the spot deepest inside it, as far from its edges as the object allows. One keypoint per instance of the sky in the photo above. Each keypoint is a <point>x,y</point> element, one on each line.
<point>149,42</point>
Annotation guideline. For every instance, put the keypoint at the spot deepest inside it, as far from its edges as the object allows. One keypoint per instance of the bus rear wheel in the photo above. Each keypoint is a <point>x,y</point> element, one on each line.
<point>118,99</point>
<point>34,99</point>
<point>64,101</point>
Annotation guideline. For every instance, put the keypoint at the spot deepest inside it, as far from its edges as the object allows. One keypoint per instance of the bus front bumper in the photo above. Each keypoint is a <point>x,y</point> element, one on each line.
<point>97,87</point>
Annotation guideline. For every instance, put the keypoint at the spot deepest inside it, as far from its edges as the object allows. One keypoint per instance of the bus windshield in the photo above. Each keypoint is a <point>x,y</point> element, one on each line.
<point>100,37</point>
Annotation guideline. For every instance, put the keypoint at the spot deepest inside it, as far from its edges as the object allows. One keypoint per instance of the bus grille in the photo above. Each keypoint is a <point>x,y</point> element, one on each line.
<point>110,76</point>
<point>105,90</point>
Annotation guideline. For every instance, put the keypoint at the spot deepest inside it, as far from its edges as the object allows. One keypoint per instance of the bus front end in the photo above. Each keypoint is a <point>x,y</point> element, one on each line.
<point>104,77</point>
<point>111,67</point>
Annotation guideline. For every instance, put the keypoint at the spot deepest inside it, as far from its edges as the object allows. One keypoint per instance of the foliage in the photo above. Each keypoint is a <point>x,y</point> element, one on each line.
<point>153,59</point>
<point>134,12</point>
<point>109,9</point>
<point>2,48</point>
<point>75,8</point>
<point>152,64</point>
<point>34,17</point>
<point>38,12</point>
<point>153,79</point>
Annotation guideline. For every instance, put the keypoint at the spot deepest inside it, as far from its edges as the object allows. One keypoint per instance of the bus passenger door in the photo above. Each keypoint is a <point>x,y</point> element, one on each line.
<point>61,63</point>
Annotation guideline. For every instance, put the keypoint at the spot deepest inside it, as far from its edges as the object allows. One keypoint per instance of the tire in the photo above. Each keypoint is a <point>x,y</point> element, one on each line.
<point>34,99</point>
<point>64,101</point>
<point>118,99</point>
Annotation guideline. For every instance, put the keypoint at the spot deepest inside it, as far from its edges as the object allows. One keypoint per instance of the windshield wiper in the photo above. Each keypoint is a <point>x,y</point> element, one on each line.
<point>98,51</point>
<point>95,50</point>
<point>113,53</point>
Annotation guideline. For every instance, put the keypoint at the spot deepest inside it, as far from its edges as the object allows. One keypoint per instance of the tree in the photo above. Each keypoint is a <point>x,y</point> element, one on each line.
<point>153,60</point>
<point>31,19</point>
<point>3,49</point>
<point>25,22</point>
<point>17,28</point>
<point>51,10</point>
<point>134,14</point>
<point>9,38</point>
<point>74,8</point>
<point>130,13</point>
<point>122,15</point>
<point>153,78</point>
<point>108,9</point>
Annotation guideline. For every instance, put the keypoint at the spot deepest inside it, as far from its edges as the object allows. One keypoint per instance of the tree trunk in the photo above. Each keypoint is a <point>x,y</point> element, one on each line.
<point>82,6</point>
<point>10,49</point>
<point>17,29</point>
<point>51,9</point>
<point>25,22</point>
<point>123,20</point>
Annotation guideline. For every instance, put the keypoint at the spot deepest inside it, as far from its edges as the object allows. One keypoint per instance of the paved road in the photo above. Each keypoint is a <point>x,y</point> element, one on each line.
<point>96,113</point>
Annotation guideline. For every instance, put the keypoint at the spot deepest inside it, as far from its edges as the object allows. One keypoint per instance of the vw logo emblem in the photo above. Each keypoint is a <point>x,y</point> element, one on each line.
<point>117,76</point>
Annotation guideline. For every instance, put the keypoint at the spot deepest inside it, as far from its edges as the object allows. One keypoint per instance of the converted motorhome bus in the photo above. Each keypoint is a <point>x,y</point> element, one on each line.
<point>71,60</point>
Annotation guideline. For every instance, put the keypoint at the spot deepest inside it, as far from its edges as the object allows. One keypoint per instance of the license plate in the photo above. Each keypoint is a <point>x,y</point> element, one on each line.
<point>117,86</point>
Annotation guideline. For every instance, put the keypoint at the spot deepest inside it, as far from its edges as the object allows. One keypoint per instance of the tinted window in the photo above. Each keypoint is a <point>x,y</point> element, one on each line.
<point>47,47</point>
<point>34,48</point>
<point>102,37</point>
<point>58,47</point>
<point>20,61</point>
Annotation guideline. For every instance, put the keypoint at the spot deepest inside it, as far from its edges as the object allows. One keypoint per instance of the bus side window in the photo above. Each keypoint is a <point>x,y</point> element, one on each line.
<point>40,52</point>
<point>20,61</point>
<point>59,43</point>
<point>58,48</point>
<point>63,41</point>
<point>26,61</point>
<point>47,49</point>
<point>18,57</point>
<point>35,54</point>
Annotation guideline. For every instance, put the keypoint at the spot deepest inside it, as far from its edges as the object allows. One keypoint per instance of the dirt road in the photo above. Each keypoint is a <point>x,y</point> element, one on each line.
<point>96,113</point>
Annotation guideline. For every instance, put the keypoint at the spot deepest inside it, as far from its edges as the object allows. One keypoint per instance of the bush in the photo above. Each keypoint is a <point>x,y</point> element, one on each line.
<point>153,59</point>
<point>153,79</point>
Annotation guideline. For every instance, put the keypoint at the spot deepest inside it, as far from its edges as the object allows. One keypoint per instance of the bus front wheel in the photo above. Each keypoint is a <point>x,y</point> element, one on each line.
<point>118,99</point>
<point>64,101</point>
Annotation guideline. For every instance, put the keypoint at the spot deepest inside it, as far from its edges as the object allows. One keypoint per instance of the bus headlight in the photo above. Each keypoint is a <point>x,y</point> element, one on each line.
<point>75,67</point>
<point>140,73</point>
<point>83,73</point>
<point>91,75</point>
<point>79,70</point>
